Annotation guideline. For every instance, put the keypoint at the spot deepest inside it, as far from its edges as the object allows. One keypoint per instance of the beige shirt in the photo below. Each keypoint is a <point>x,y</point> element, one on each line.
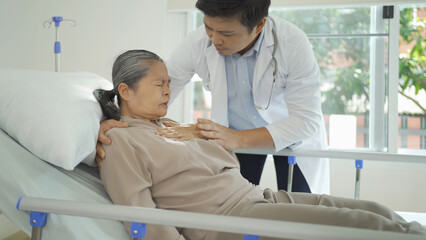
<point>143,169</point>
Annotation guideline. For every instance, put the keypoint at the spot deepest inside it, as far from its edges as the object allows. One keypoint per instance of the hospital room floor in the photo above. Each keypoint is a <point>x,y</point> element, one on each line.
<point>8,230</point>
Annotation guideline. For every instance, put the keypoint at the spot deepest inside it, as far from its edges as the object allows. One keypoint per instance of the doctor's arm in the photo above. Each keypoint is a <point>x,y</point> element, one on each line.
<point>228,138</point>
<point>181,65</point>
<point>302,95</point>
<point>231,139</point>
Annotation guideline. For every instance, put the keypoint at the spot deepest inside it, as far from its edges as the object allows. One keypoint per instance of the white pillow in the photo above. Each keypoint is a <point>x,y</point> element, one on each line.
<point>53,115</point>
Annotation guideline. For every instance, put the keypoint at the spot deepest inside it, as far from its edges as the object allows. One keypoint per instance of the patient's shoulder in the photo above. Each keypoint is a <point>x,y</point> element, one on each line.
<point>131,135</point>
<point>118,132</point>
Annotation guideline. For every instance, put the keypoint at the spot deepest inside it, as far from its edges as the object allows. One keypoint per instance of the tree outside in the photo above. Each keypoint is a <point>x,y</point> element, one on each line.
<point>412,59</point>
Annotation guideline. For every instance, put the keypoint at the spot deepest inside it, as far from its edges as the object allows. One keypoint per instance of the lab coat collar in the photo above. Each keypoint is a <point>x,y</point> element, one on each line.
<point>256,47</point>
<point>258,43</point>
<point>269,38</point>
<point>218,85</point>
<point>265,55</point>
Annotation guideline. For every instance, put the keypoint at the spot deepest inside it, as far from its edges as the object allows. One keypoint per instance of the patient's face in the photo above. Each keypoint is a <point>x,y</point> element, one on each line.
<point>149,100</point>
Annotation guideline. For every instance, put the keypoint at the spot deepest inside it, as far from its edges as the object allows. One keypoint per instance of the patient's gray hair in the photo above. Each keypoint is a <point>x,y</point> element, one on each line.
<point>129,67</point>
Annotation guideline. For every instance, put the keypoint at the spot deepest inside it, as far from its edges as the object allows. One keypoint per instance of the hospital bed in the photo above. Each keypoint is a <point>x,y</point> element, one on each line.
<point>78,206</point>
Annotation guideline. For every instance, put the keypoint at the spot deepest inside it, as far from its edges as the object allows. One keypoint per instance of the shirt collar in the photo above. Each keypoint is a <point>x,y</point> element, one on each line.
<point>258,43</point>
<point>256,47</point>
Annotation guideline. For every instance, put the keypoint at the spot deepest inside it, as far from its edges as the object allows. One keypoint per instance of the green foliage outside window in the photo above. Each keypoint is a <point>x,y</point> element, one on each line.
<point>350,83</point>
<point>412,65</point>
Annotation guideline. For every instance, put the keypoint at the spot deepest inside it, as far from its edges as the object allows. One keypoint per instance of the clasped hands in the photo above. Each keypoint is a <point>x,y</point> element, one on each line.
<point>179,131</point>
<point>205,129</point>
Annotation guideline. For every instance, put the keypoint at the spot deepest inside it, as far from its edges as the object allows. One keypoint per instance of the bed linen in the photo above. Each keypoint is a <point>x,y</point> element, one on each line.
<point>23,174</point>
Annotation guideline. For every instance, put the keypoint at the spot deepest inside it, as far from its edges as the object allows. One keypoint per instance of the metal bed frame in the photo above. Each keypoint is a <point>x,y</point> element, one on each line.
<point>358,155</point>
<point>251,228</point>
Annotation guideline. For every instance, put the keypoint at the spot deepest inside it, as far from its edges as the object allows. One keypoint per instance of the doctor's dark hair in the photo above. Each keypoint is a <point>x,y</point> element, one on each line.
<point>251,12</point>
<point>129,67</point>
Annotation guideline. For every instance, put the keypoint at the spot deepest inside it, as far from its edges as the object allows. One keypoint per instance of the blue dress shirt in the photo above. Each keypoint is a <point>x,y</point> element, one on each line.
<point>242,113</point>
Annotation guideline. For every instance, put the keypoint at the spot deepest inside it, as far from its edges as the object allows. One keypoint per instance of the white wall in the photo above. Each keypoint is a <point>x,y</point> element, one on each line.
<point>398,186</point>
<point>104,29</point>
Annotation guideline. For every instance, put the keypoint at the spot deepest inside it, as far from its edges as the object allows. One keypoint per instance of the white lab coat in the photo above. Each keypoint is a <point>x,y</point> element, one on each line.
<point>294,115</point>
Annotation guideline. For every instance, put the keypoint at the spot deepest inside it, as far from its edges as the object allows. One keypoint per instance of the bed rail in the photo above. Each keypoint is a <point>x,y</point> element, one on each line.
<point>358,155</point>
<point>249,226</point>
<point>363,154</point>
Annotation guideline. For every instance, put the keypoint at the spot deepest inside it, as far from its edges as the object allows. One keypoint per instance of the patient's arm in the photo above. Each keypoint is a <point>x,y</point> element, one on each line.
<point>179,131</point>
<point>103,139</point>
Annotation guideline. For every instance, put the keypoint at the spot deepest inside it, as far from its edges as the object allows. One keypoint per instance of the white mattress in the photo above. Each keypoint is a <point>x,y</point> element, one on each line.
<point>23,174</point>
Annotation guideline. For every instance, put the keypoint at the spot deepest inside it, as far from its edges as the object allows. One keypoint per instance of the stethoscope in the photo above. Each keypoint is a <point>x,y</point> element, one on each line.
<point>274,73</point>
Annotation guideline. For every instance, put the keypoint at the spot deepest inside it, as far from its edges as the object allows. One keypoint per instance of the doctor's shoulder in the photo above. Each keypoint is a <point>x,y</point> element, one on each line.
<point>198,38</point>
<point>195,47</point>
<point>288,31</point>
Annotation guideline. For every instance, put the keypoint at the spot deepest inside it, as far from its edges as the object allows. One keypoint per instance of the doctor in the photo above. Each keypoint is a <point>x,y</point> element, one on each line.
<point>265,85</point>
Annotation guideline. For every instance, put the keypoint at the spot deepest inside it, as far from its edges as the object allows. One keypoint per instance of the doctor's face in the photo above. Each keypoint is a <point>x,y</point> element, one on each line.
<point>229,36</point>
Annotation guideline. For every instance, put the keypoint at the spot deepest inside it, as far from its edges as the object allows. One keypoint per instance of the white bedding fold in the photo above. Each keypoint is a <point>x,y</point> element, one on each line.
<point>23,174</point>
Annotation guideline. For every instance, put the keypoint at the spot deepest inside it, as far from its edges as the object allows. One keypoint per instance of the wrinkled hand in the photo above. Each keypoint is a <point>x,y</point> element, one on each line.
<point>228,138</point>
<point>179,131</point>
<point>103,139</point>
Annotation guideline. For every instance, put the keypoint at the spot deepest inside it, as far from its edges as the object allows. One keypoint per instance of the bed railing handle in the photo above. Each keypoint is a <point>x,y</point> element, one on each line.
<point>250,237</point>
<point>291,162</point>
<point>37,222</point>
<point>359,164</point>
<point>137,230</point>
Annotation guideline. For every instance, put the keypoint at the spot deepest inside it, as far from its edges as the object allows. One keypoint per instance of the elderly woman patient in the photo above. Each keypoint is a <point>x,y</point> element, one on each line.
<point>144,169</point>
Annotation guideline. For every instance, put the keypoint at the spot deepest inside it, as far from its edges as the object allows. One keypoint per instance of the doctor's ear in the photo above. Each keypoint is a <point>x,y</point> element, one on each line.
<point>260,25</point>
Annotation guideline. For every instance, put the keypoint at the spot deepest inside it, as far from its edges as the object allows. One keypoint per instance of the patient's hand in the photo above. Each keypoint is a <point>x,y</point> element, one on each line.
<point>103,139</point>
<point>179,131</point>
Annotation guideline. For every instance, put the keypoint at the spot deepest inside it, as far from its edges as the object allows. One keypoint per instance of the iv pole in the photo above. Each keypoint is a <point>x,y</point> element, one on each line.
<point>57,46</point>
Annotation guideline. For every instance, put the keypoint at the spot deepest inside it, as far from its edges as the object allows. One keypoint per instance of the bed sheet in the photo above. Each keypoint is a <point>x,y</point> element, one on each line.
<point>24,174</point>
<point>414,216</point>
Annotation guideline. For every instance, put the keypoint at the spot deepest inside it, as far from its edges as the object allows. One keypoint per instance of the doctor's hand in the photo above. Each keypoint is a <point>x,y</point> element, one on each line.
<point>103,139</point>
<point>179,131</point>
<point>228,138</point>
